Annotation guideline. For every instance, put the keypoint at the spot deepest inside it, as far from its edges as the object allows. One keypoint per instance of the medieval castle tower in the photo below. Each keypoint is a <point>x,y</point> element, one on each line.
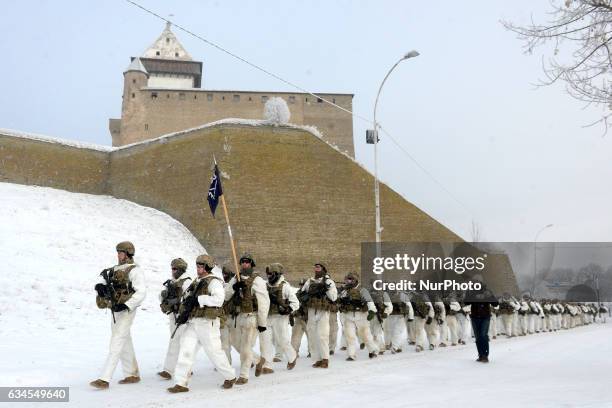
<point>162,94</point>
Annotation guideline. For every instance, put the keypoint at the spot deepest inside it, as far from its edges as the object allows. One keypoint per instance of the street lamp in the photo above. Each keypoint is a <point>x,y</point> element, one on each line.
<point>374,137</point>
<point>535,258</point>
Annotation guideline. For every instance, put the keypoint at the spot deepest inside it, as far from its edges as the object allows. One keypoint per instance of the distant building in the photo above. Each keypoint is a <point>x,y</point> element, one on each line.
<point>162,94</point>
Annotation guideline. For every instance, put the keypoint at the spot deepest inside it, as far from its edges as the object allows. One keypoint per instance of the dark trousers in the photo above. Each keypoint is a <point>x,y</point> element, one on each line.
<point>481,333</point>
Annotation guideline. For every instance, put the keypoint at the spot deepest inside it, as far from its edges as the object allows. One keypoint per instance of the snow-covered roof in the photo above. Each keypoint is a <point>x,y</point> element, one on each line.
<point>136,65</point>
<point>167,46</point>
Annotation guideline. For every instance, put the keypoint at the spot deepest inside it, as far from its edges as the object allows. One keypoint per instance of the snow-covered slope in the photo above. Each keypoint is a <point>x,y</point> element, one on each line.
<point>53,245</point>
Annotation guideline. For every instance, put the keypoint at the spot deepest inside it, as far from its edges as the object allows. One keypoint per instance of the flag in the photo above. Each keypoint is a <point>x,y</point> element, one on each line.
<point>214,191</point>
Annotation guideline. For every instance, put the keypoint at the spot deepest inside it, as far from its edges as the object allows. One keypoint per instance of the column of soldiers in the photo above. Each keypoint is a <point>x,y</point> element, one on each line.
<point>217,310</point>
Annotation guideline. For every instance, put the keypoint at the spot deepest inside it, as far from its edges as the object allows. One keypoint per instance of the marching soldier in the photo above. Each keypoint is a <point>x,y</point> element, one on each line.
<point>507,309</point>
<point>423,314</point>
<point>122,289</point>
<point>452,308</point>
<point>320,292</point>
<point>384,307</point>
<point>357,309</point>
<point>523,315</point>
<point>300,318</point>
<point>401,314</point>
<point>200,313</point>
<point>252,302</point>
<point>283,302</point>
<point>170,298</point>
<point>433,329</point>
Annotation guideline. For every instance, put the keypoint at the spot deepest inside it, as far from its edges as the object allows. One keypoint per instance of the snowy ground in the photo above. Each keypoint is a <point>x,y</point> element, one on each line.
<point>53,244</point>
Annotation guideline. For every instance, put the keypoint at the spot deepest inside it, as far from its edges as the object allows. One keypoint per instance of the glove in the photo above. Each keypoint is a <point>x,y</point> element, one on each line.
<point>371,314</point>
<point>239,285</point>
<point>429,320</point>
<point>101,289</point>
<point>261,329</point>
<point>384,315</point>
<point>440,321</point>
<point>120,308</point>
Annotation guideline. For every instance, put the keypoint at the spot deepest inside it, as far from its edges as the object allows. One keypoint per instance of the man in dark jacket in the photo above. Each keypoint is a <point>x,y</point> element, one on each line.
<point>481,303</point>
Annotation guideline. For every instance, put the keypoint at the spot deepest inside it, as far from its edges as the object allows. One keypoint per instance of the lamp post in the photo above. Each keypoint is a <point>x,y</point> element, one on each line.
<point>408,55</point>
<point>535,257</point>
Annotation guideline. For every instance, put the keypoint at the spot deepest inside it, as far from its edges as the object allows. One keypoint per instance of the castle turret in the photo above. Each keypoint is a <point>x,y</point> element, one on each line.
<point>135,77</point>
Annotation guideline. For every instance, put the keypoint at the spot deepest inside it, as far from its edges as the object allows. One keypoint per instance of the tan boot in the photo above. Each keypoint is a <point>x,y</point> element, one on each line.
<point>99,384</point>
<point>324,363</point>
<point>177,388</point>
<point>241,381</point>
<point>132,379</point>
<point>227,384</point>
<point>259,366</point>
<point>276,360</point>
<point>350,359</point>
<point>165,375</point>
<point>318,364</point>
<point>267,370</point>
<point>372,355</point>
<point>291,366</point>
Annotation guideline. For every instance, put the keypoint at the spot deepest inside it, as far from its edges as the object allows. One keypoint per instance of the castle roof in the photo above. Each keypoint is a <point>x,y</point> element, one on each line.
<point>167,46</point>
<point>136,65</point>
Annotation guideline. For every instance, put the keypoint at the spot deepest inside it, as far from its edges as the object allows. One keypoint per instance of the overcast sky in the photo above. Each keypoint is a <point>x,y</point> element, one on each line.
<point>515,157</point>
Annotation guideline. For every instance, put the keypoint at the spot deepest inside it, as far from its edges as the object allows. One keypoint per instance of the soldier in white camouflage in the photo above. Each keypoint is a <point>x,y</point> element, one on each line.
<point>283,303</point>
<point>252,303</point>
<point>319,294</point>
<point>170,300</point>
<point>122,289</point>
<point>200,313</point>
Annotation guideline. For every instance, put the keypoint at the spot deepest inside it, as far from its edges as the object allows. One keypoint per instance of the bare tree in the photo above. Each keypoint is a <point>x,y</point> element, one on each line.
<point>580,32</point>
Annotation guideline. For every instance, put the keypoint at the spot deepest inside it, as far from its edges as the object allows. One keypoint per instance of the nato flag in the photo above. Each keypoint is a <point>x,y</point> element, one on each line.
<point>214,191</point>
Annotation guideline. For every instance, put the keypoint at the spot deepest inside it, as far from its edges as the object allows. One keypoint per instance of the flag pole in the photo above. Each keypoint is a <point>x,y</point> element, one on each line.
<point>229,230</point>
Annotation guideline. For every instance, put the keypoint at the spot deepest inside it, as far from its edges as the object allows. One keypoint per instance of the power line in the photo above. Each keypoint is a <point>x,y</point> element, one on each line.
<point>293,85</point>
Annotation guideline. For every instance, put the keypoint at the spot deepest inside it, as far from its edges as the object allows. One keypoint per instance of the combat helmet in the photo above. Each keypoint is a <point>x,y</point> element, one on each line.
<point>127,247</point>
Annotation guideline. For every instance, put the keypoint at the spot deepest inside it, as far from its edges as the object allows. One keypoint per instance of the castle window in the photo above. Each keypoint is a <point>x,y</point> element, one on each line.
<point>319,100</point>
<point>157,53</point>
<point>133,95</point>
<point>292,99</point>
<point>167,40</point>
<point>306,99</point>
<point>236,98</point>
<point>334,100</point>
<point>223,98</point>
<point>146,126</point>
<point>154,95</point>
<point>133,81</point>
<point>250,99</point>
<point>168,96</point>
<point>176,54</point>
<point>209,97</point>
<point>195,96</point>
<point>182,96</point>
<point>264,99</point>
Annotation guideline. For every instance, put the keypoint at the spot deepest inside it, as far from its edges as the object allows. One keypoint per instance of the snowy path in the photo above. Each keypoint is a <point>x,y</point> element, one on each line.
<point>565,369</point>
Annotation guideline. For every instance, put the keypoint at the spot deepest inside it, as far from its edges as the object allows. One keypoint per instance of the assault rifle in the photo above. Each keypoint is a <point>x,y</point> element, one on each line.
<point>188,304</point>
<point>110,289</point>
